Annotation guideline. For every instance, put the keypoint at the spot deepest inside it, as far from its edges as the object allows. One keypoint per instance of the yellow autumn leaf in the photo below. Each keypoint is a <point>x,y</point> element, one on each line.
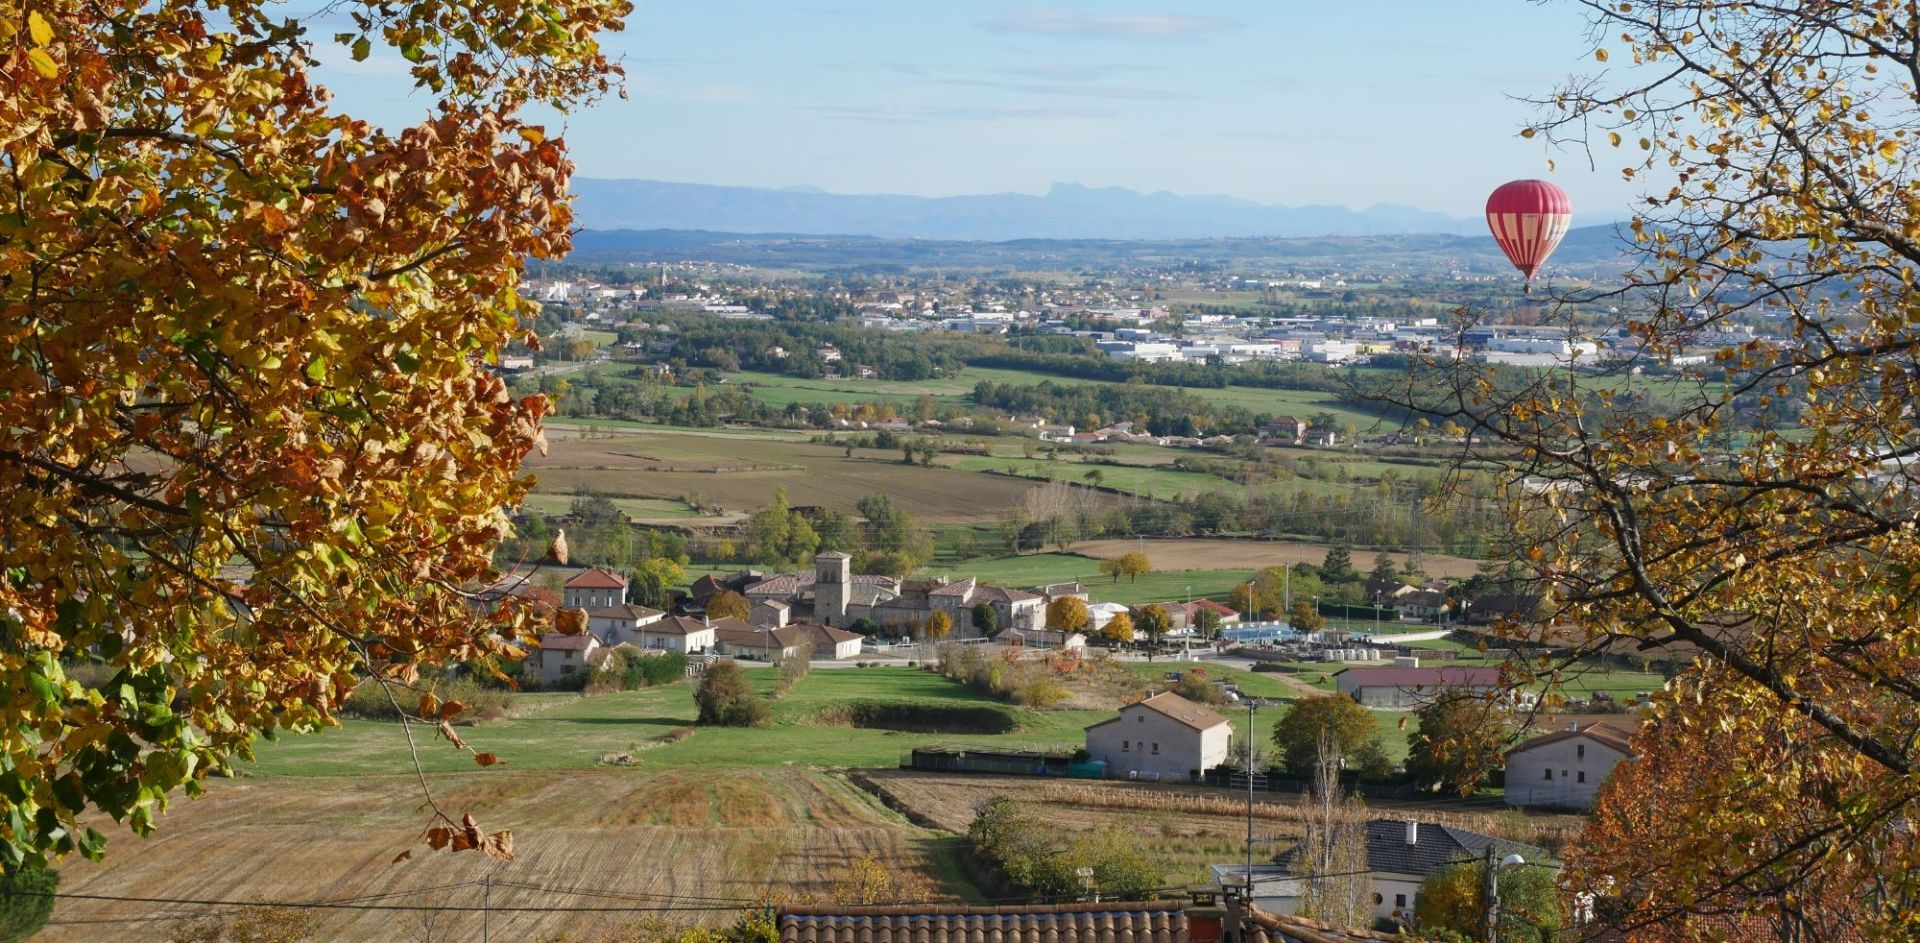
<point>1613,138</point>
<point>37,28</point>
<point>1600,55</point>
<point>43,63</point>
<point>1889,149</point>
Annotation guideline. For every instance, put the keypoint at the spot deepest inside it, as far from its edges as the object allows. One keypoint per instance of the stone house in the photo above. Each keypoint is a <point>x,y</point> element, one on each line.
<point>1564,769</point>
<point>1165,737</point>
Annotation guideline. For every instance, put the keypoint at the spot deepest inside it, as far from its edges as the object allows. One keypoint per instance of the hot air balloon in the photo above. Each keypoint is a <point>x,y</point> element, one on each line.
<point>1528,217</point>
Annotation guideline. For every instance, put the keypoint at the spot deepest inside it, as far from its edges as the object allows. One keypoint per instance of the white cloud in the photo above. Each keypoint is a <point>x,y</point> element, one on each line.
<point>1047,21</point>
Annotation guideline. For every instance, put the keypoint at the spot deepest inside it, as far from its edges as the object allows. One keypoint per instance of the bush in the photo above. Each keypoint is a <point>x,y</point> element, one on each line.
<point>1196,687</point>
<point>369,700</point>
<point>629,669</point>
<point>1040,693</point>
<point>727,700</point>
<point>26,901</point>
<point>1268,667</point>
<point>1033,858</point>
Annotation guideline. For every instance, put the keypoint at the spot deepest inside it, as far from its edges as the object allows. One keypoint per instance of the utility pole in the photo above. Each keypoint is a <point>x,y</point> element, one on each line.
<point>1248,874</point>
<point>1286,589</point>
<point>1493,897</point>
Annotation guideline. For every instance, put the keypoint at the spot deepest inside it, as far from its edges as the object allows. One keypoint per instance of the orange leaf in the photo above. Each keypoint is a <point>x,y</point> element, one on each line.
<point>429,705</point>
<point>451,709</point>
<point>403,856</point>
<point>446,730</point>
<point>487,759</point>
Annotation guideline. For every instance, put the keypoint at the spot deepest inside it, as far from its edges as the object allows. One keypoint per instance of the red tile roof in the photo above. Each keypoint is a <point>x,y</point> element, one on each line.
<point>560,642</point>
<point>1423,677</point>
<point>1601,733</point>
<point>597,578</point>
<point>1197,716</point>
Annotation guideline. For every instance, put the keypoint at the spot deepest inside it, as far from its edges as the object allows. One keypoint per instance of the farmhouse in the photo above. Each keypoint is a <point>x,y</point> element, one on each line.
<point>737,639</point>
<point>595,588</point>
<point>772,612</point>
<point>678,634</point>
<point>561,655</point>
<point>1411,687</point>
<point>1564,769</point>
<point>829,642</point>
<point>1165,736</point>
<point>620,624</point>
<point>1400,855</point>
<point>1424,605</point>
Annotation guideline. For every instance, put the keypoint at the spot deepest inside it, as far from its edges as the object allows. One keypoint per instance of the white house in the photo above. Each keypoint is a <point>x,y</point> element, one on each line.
<point>561,655</point>
<point>829,643</point>
<point>617,625</point>
<point>1400,855</point>
<point>677,634</point>
<point>1165,736</point>
<point>1565,768</point>
<point>595,588</point>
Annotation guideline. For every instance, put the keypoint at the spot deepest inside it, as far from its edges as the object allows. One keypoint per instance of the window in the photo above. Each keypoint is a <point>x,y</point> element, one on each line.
<point>1400,900</point>
<point>1580,751</point>
<point>1377,898</point>
<point>1563,774</point>
<point>1583,776</point>
<point>1156,748</point>
<point>566,669</point>
<point>1123,746</point>
<point>1549,775</point>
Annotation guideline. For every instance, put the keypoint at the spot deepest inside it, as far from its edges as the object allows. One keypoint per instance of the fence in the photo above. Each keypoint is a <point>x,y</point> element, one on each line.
<point>999,762</point>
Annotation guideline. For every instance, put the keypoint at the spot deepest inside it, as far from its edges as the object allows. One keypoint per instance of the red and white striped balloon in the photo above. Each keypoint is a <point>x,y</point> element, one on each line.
<point>1528,219</point>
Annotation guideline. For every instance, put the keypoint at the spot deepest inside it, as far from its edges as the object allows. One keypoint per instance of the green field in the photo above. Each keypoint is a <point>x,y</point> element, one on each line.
<point>639,509</point>
<point>1161,483</point>
<point>578,732</point>
<point>779,390</point>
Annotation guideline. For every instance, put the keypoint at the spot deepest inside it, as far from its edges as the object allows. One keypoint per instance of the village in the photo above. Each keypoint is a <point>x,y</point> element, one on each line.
<point>1178,729</point>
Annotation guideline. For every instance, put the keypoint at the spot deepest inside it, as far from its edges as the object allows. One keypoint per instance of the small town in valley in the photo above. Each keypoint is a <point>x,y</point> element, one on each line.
<point>707,471</point>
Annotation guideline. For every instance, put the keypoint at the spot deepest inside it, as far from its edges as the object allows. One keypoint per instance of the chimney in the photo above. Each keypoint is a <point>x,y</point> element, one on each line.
<point>1413,832</point>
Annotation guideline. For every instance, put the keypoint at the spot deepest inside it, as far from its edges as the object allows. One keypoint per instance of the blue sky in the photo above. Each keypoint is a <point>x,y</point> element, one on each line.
<point>1283,101</point>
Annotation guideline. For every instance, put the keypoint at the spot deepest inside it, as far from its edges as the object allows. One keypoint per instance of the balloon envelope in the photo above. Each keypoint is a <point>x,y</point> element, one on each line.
<point>1528,219</point>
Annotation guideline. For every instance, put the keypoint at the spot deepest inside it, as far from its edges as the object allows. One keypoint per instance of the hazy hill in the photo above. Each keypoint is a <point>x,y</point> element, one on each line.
<point>1067,211</point>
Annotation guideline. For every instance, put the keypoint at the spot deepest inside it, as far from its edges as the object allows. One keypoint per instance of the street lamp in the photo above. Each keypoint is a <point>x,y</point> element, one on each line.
<point>1493,891</point>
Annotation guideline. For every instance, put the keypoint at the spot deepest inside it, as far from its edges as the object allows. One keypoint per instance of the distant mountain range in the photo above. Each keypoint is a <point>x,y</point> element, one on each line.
<point>1067,211</point>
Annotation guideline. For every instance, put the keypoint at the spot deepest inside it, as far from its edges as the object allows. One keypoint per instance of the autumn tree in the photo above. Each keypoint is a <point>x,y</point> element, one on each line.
<point>729,605</point>
<point>939,626</point>
<point>1206,621</point>
<point>1356,737</point>
<point>1111,567</point>
<point>251,443</point>
<point>1646,865</point>
<point>1306,617</point>
<point>1459,739</point>
<point>1453,900</point>
<point>1760,518</point>
<point>1067,614</point>
<point>1134,565</point>
<point>1119,628</point>
<point>1154,622</point>
<point>651,583</point>
<point>1336,885</point>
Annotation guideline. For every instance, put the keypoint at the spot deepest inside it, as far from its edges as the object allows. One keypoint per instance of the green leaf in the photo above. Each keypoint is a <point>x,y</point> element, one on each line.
<point>317,369</point>
<point>413,52</point>
<point>362,49</point>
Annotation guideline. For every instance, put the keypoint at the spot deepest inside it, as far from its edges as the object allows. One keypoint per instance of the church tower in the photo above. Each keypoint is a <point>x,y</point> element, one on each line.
<point>832,576</point>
